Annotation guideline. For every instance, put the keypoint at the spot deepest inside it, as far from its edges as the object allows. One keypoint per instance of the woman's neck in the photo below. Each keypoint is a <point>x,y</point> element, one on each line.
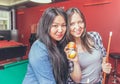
<point>79,45</point>
<point>78,41</point>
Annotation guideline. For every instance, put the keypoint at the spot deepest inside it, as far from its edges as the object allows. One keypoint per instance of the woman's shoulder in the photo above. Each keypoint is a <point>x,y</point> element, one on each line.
<point>38,51</point>
<point>93,33</point>
<point>38,44</point>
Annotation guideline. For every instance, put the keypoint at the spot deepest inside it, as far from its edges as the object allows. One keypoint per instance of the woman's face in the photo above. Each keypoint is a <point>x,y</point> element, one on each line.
<point>76,25</point>
<point>58,28</point>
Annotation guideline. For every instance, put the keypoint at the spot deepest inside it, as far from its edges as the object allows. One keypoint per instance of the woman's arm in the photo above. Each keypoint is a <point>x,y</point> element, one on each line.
<point>74,66</point>
<point>76,73</point>
<point>106,67</point>
<point>40,63</point>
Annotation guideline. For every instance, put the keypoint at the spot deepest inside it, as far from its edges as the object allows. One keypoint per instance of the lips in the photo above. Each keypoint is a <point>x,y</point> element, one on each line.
<point>78,32</point>
<point>59,35</point>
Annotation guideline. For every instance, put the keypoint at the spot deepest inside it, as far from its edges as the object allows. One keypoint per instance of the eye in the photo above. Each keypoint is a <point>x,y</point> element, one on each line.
<point>72,24</point>
<point>80,22</point>
<point>55,26</point>
<point>64,25</point>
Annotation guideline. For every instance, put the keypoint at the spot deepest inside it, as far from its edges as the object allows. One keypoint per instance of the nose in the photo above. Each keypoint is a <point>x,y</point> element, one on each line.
<point>76,26</point>
<point>59,29</point>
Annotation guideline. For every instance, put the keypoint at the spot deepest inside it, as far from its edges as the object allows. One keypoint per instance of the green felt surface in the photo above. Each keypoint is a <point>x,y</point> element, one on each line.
<point>13,73</point>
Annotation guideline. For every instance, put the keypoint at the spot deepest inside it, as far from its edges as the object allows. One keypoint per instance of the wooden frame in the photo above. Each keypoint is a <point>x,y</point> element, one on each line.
<point>96,2</point>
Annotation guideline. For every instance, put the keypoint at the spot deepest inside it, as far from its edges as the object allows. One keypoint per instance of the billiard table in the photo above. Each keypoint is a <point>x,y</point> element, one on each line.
<point>13,73</point>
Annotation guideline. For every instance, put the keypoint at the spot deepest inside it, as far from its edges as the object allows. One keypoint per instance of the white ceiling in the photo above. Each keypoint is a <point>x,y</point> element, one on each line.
<point>8,4</point>
<point>11,2</point>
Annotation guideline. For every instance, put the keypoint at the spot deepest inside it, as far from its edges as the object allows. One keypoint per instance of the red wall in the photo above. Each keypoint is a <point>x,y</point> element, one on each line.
<point>102,18</point>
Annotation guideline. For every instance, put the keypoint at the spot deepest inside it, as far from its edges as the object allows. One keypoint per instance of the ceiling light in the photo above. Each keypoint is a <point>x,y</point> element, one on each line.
<point>42,1</point>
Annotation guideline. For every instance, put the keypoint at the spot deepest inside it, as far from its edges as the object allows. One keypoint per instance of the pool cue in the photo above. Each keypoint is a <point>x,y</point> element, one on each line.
<point>107,56</point>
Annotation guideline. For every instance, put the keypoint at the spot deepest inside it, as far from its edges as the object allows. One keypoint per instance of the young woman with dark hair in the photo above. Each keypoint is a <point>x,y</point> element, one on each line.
<point>47,61</point>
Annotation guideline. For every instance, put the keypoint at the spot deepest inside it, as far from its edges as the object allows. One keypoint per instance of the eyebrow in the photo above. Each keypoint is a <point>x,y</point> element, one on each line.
<point>58,23</point>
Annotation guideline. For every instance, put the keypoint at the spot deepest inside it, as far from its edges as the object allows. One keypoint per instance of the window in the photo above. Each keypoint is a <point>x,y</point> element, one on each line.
<point>5,20</point>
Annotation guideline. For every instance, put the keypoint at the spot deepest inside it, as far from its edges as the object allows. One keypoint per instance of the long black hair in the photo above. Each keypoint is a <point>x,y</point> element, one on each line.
<point>56,52</point>
<point>85,38</point>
